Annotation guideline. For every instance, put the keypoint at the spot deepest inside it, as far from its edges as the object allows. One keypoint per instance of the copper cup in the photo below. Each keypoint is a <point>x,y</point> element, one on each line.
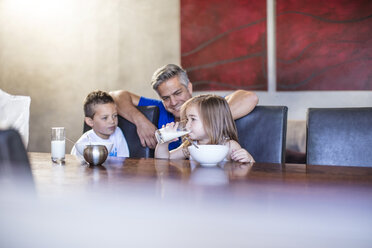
<point>95,154</point>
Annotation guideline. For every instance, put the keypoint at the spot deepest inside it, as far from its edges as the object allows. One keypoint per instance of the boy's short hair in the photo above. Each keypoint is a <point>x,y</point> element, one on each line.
<point>93,98</point>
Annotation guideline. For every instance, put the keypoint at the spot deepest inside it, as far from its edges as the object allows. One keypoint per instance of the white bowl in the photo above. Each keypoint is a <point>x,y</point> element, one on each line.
<point>81,146</point>
<point>208,155</point>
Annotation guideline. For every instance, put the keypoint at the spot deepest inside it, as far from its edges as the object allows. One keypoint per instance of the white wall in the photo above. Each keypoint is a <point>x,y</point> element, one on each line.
<point>298,102</point>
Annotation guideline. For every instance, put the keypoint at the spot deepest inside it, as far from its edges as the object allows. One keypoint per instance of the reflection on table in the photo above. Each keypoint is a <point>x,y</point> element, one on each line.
<point>152,202</point>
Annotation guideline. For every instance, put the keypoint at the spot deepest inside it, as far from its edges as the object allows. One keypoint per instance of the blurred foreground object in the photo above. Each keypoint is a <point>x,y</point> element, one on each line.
<point>15,170</point>
<point>15,113</point>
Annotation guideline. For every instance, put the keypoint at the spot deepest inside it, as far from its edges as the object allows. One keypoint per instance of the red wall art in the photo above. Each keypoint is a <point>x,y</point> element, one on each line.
<point>223,44</point>
<point>324,45</point>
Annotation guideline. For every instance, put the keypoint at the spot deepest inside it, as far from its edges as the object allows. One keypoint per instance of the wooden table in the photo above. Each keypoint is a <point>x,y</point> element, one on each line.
<point>117,172</point>
<point>152,202</point>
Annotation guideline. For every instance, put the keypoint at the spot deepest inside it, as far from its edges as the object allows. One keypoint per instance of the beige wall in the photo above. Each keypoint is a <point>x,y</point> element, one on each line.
<point>58,51</point>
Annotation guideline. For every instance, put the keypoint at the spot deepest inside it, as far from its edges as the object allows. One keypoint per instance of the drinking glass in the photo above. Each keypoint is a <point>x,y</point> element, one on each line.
<point>58,144</point>
<point>166,134</point>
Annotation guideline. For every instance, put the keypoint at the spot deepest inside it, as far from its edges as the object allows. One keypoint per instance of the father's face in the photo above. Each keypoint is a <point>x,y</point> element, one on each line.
<point>174,94</point>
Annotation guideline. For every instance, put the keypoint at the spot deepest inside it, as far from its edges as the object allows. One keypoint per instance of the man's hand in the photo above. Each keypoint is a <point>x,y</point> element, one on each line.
<point>146,133</point>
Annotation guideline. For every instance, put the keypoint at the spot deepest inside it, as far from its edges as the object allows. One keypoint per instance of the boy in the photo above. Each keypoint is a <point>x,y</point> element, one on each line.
<point>101,115</point>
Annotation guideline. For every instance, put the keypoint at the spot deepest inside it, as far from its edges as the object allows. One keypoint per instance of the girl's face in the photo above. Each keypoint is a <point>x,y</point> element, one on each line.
<point>195,125</point>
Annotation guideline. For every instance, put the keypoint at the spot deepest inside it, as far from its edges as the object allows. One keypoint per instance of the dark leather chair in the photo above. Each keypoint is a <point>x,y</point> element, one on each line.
<point>263,133</point>
<point>136,150</point>
<point>12,149</point>
<point>339,136</point>
<point>15,167</point>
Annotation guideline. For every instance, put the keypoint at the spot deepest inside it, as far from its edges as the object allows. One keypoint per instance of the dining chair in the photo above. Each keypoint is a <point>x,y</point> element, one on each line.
<point>136,150</point>
<point>15,170</point>
<point>12,149</point>
<point>339,136</point>
<point>263,133</point>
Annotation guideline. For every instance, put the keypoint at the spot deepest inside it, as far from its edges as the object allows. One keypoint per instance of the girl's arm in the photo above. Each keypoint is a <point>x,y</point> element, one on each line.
<point>237,153</point>
<point>161,150</point>
<point>177,153</point>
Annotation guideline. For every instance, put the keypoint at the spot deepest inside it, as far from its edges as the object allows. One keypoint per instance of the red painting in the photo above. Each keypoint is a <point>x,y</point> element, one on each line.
<point>223,44</point>
<point>324,45</point>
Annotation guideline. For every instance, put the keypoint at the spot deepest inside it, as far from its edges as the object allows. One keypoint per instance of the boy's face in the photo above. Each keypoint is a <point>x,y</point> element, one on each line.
<point>105,120</point>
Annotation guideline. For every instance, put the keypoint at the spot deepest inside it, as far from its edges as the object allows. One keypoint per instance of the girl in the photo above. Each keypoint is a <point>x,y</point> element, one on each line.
<point>209,119</point>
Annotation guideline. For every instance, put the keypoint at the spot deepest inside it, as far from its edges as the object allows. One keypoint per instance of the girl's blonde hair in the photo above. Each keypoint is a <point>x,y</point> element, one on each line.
<point>215,115</point>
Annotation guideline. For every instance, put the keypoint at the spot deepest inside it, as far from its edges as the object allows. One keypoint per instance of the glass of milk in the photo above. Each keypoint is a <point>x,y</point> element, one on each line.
<point>166,134</point>
<point>58,145</point>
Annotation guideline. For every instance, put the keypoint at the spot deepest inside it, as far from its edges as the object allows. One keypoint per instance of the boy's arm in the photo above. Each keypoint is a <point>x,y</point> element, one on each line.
<point>241,103</point>
<point>126,103</point>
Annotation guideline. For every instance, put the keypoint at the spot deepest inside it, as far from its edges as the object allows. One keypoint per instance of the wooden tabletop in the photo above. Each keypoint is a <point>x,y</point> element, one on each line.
<point>114,172</point>
<point>160,203</point>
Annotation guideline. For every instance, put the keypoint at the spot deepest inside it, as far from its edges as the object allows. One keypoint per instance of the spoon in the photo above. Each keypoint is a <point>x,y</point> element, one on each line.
<point>70,140</point>
<point>192,142</point>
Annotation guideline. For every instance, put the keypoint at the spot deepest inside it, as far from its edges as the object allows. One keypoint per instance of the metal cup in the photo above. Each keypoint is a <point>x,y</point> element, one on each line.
<point>95,154</point>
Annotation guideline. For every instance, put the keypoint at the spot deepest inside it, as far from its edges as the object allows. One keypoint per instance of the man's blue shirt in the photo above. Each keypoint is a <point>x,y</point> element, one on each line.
<point>164,116</point>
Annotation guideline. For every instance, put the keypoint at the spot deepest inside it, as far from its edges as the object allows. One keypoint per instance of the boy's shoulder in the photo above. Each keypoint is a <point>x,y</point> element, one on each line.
<point>91,135</point>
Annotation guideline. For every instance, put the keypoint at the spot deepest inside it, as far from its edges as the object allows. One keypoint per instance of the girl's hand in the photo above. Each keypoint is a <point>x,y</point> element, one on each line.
<point>171,127</point>
<point>241,155</point>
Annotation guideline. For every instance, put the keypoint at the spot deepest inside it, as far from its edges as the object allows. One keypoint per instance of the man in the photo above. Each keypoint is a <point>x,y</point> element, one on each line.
<point>174,88</point>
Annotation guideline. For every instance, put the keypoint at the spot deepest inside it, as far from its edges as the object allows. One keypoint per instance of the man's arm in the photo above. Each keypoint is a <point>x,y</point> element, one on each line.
<point>126,103</point>
<point>241,103</point>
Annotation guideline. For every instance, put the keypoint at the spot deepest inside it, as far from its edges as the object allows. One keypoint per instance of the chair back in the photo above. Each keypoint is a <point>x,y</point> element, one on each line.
<point>136,150</point>
<point>263,133</point>
<point>15,170</point>
<point>12,149</point>
<point>339,136</point>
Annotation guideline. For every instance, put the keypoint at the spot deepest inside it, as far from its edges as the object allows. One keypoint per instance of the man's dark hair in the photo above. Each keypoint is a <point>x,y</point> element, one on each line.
<point>93,98</point>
